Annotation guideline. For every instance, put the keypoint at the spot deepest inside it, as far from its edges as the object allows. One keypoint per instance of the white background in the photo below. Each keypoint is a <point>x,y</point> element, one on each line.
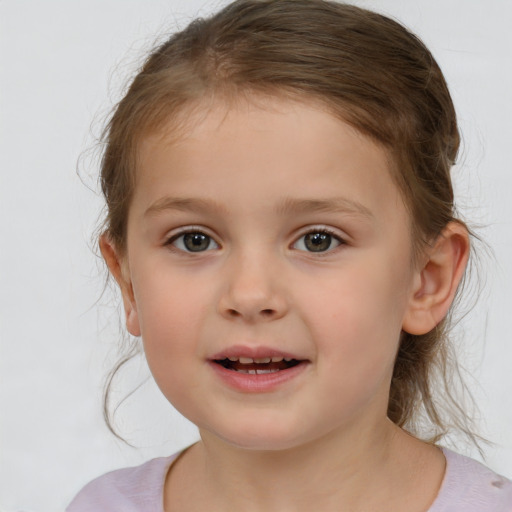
<point>61,67</point>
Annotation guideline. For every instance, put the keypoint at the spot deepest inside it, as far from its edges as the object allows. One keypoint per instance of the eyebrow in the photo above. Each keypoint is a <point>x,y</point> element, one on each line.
<point>287,206</point>
<point>333,204</point>
<point>184,204</point>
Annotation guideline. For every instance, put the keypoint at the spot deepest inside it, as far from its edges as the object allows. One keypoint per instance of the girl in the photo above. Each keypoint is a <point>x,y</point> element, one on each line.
<point>281,225</point>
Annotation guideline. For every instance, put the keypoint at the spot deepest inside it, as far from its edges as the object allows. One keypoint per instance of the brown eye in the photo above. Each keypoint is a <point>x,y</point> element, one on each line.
<point>317,241</point>
<point>194,242</point>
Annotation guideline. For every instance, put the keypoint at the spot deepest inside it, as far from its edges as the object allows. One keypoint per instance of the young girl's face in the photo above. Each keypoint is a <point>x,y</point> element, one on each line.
<point>269,234</point>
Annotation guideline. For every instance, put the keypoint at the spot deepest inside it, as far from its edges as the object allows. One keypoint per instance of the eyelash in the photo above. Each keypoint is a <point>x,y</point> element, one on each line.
<point>190,231</point>
<point>321,231</point>
<point>172,241</point>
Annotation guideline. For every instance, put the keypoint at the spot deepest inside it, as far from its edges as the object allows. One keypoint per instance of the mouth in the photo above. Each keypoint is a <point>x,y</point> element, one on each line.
<point>257,370</point>
<point>257,366</point>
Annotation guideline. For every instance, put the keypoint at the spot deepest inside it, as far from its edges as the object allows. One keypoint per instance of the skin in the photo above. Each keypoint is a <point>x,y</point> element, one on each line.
<point>256,181</point>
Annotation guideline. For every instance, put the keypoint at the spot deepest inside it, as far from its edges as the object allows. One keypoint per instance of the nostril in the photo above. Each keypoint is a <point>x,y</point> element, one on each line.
<point>233,313</point>
<point>267,312</point>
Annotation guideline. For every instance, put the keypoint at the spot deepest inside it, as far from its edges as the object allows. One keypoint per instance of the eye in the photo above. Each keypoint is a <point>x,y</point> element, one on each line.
<point>193,241</point>
<point>317,241</point>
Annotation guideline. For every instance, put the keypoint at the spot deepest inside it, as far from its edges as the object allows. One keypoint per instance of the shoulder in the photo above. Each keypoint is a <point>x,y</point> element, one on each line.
<point>136,489</point>
<point>469,486</point>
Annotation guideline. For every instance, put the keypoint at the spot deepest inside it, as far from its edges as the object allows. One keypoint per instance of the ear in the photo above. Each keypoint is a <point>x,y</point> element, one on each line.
<point>119,269</point>
<point>436,281</point>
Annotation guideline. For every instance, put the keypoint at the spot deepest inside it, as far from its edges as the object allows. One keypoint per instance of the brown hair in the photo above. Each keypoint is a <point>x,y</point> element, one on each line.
<point>365,68</point>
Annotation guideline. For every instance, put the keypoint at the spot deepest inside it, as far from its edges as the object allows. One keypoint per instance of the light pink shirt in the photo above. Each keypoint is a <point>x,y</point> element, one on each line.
<point>468,486</point>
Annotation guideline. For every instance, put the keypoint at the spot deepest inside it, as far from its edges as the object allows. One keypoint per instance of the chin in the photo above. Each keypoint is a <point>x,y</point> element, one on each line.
<point>262,445</point>
<point>256,437</point>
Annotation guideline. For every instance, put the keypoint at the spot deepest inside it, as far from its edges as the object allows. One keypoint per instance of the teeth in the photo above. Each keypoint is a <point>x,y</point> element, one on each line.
<point>259,360</point>
<point>262,360</point>
<point>257,372</point>
<point>250,360</point>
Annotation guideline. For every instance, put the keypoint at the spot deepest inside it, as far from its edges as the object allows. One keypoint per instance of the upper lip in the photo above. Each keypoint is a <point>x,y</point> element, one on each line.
<point>236,352</point>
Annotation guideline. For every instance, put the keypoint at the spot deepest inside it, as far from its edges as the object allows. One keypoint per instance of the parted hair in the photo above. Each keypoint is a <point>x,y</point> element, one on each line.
<point>363,67</point>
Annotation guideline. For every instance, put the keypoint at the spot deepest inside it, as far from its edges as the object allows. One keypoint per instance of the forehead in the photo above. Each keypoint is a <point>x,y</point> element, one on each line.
<point>273,146</point>
<point>216,109</point>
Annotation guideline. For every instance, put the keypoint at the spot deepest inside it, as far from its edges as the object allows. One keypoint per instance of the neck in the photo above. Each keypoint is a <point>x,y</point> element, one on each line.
<point>299,478</point>
<point>354,471</point>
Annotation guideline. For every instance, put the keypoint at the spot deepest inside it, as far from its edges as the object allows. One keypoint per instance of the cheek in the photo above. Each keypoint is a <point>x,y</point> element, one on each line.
<point>171,315</point>
<point>357,321</point>
<point>170,337</point>
<point>168,301</point>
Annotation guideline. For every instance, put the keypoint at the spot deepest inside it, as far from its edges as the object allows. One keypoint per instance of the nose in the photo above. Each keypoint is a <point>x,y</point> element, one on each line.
<point>253,291</point>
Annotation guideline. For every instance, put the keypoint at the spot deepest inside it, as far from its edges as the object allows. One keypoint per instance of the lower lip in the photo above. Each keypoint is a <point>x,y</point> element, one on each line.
<point>259,383</point>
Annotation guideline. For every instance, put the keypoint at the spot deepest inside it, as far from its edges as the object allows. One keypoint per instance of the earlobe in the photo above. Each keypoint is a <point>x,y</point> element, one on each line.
<point>437,280</point>
<point>118,269</point>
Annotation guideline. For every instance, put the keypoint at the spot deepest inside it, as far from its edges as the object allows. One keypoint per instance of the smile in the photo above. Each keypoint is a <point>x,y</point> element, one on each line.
<point>258,366</point>
<point>257,369</point>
